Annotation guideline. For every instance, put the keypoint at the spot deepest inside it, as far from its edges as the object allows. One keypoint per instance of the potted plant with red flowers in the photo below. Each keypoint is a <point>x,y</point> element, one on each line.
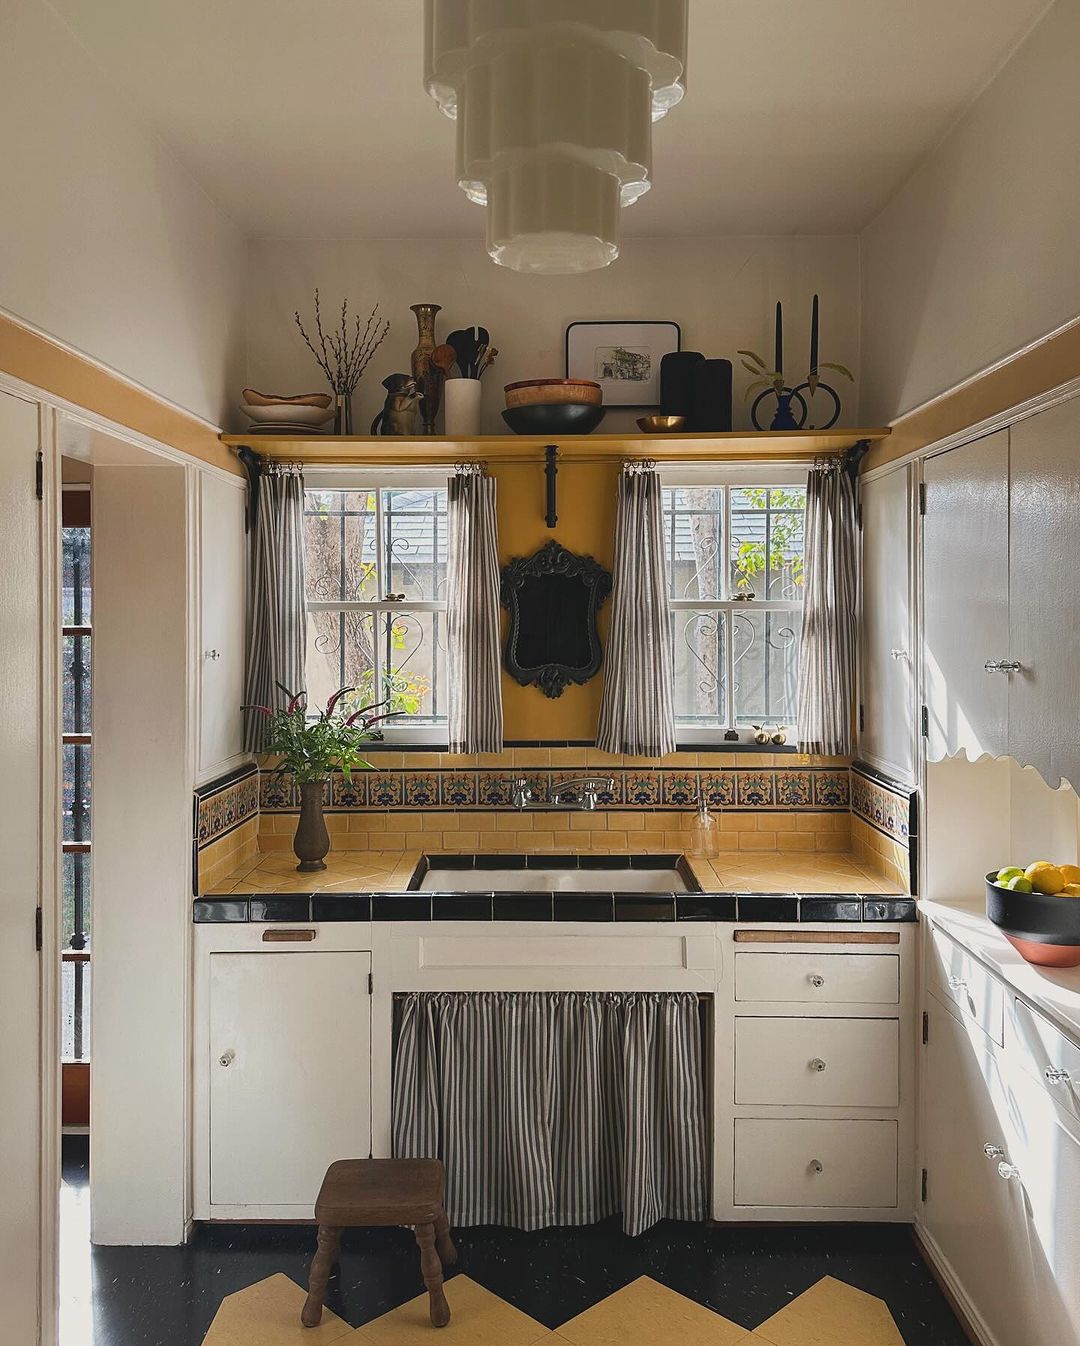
<point>310,749</point>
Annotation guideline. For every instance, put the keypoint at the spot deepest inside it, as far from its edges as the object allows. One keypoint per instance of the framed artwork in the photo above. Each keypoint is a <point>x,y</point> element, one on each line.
<point>623,357</point>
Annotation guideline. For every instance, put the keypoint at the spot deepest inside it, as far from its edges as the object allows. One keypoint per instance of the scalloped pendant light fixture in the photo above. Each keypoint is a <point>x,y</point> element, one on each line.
<point>554,102</point>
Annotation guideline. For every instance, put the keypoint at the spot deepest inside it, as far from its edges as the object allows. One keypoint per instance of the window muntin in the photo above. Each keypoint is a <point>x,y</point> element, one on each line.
<point>375,561</point>
<point>734,558</point>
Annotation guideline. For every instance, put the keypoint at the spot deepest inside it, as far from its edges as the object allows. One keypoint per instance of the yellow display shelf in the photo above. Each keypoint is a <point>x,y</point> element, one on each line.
<point>789,445</point>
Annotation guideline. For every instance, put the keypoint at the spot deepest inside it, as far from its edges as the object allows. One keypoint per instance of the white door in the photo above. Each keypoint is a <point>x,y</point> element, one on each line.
<point>1044,1146</point>
<point>969,1211</point>
<point>222,570</point>
<point>886,666</point>
<point>20,807</point>
<point>966,598</point>
<point>290,1073</point>
<point>1044,592</point>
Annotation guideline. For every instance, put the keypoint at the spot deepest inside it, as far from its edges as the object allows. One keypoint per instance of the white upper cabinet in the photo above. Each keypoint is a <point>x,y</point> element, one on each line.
<point>219,656</point>
<point>966,598</point>
<point>1044,598</point>
<point>886,661</point>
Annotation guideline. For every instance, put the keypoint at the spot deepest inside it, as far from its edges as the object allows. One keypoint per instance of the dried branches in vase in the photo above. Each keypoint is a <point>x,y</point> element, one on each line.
<point>344,354</point>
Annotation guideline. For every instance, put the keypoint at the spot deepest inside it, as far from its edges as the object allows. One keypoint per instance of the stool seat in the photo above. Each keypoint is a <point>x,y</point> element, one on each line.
<point>380,1192</point>
<point>370,1192</point>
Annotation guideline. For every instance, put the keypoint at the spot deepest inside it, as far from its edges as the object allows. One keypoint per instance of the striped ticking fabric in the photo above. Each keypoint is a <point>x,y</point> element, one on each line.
<point>555,1108</point>
<point>472,615</point>
<point>277,620</point>
<point>637,709</point>
<point>827,651</point>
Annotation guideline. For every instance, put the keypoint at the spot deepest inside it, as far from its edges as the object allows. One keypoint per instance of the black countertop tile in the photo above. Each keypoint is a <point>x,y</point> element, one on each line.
<point>401,906</point>
<point>584,906</point>
<point>823,907</point>
<point>705,907</point>
<point>768,907</point>
<point>644,906</point>
<point>461,906</point>
<point>280,907</point>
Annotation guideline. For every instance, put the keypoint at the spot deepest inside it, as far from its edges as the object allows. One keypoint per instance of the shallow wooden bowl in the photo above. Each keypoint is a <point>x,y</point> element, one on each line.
<point>546,392</point>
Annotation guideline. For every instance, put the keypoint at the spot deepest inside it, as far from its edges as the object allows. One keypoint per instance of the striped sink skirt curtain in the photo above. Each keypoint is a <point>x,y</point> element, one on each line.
<point>555,1108</point>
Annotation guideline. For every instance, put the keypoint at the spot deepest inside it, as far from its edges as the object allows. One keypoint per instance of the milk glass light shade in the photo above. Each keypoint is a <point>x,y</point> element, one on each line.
<point>554,102</point>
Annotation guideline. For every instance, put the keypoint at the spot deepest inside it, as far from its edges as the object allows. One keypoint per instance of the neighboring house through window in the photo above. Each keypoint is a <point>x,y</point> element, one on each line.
<point>375,549</point>
<point>734,549</point>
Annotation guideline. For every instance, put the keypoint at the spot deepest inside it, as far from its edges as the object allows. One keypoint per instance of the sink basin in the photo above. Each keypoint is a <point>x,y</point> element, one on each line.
<point>471,874</point>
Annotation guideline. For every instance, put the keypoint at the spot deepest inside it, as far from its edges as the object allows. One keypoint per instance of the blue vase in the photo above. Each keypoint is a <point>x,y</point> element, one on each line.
<point>784,420</point>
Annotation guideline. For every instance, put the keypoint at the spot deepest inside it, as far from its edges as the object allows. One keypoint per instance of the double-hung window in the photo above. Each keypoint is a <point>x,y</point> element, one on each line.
<point>375,553</point>
<point>734,553</point>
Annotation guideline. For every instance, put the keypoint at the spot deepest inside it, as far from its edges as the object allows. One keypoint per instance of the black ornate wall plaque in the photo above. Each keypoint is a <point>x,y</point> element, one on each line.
<point>553,598</point>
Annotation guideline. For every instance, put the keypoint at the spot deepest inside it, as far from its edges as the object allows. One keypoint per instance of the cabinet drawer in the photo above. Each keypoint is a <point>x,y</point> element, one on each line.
<point>811,978</point>
<point>961,981</point>
<point>810,1163</point>
<point>1048,1055</point>
<point>821,1062</point>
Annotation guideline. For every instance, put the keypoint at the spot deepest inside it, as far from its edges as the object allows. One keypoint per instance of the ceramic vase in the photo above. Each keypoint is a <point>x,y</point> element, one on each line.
<point>429,377</point>
<point>311,840</point>
<point>784,418</point>
<point>342,414</point>
<point>462,408</point>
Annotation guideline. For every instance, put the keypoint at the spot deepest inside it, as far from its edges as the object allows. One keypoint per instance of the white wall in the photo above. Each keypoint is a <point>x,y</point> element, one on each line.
<point>977,255</point>
<point>721,290</point>
<point>105,242</point>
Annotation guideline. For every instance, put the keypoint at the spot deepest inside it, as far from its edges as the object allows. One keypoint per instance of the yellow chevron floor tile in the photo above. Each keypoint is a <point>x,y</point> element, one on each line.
<point>831,1313</point>
<point>268,1314</point>
<point>477,1318</point>
<point>646,1313</point>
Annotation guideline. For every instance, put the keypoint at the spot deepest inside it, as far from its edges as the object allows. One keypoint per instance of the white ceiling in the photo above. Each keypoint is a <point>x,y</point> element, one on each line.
<point>310,121</point>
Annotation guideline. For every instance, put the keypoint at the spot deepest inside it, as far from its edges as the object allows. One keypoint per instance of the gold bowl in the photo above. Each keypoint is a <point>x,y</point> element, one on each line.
<point>660,425</point>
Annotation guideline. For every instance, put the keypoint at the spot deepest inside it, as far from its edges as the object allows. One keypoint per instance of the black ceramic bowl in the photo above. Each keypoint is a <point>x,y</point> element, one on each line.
<point>1042,929</point>
<point>554,418</point>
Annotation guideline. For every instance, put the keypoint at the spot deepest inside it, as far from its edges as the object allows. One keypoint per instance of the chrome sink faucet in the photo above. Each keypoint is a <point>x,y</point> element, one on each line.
<point>582,793</point>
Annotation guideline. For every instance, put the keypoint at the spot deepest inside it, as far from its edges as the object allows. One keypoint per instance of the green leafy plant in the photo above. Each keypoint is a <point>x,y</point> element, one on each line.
<point>751,558</point>
<point>310,749</point>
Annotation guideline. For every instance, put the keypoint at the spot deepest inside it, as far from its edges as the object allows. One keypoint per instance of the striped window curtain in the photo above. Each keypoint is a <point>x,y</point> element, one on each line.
<point>827,650</point>
<point>472,614</point>
<point>555,1108</point>
<point>637,709</point>
<point>277,620</point>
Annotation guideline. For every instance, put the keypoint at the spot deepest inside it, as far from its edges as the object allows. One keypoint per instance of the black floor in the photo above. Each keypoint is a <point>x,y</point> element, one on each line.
<point>168,1296</point>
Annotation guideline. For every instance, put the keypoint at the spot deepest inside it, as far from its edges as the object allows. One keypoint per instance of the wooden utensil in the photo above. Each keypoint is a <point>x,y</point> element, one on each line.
<point>444,358</point>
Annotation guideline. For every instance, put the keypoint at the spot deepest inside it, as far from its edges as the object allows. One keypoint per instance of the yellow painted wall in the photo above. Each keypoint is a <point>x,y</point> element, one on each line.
<point>586,511</point>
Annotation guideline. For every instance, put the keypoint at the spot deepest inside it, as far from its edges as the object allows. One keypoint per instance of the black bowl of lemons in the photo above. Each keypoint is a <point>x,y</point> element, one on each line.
<point>1037,909</point>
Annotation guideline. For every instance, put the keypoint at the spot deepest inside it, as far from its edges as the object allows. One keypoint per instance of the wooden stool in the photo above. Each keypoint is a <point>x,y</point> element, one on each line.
<point>383,1192</point>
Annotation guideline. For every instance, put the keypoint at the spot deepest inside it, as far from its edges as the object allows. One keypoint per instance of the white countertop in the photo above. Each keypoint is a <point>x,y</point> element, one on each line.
<point>1054,991</point>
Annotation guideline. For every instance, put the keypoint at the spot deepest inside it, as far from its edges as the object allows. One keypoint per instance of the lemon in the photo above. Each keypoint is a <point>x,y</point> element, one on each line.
<point>1045,877</point>
<point>1019,884</point>
<point>1070,889</point>
<point>1009,872</point>
<point>1070,873</point>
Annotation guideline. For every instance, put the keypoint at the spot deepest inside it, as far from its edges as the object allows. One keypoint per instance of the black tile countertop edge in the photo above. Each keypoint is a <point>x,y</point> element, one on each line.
<point>761,908</point>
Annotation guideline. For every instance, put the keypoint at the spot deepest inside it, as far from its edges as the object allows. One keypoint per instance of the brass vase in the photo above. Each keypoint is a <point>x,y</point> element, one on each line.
<point>311,841</point>
<point>427,375</point>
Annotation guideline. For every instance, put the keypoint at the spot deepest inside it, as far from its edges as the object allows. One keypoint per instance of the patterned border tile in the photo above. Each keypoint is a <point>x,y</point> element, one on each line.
<point>884,806</point>
<point>220,808</point>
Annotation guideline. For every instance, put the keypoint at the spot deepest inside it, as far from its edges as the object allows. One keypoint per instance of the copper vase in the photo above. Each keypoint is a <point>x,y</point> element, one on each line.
<point>428,376</point>
<point>311,841</point>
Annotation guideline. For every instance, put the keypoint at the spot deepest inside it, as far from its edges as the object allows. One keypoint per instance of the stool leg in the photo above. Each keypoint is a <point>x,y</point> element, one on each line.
<point>443,1241</point>
<point>321,1266</point>
<point>431,1268</point>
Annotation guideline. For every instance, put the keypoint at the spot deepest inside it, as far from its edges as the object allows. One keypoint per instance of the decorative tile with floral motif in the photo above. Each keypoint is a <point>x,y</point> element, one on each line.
<point>793,789</point>
<point>346,794</point>
<point>384,789</point>
<point>718,788</point>
<point>642,787</point>
<point>276,791</point>
<point>458,788</point>
<point>421,787</point>
<point>493,789</point>
<point>755,789</point>
<point>831,789</point>
<point>679,787</point>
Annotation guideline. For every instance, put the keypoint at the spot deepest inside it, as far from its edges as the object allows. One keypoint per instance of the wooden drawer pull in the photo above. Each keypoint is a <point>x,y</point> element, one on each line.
<point>817,937</point>
<point>288,936</point>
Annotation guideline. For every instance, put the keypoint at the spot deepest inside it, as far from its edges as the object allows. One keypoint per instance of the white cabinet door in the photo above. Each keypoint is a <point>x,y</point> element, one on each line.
<point>966,598</point>
<point>220,656</point>
<point>1044,592</point>
<point>290,1073</point>
<point>886,664</point>
<point>969,1210</point>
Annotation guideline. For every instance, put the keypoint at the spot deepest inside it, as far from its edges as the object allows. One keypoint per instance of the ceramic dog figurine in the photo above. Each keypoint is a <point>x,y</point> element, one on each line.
<point>398,416</point>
